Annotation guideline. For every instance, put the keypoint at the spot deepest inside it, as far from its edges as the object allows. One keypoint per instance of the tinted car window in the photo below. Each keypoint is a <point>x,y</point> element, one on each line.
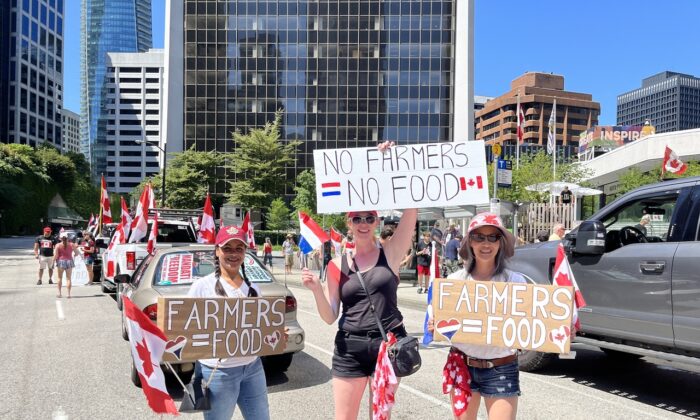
<point>184,267</point>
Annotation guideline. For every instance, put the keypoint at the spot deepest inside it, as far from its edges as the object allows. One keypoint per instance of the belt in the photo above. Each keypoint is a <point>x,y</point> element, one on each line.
<point>374,333</point>
<point>486,363</point>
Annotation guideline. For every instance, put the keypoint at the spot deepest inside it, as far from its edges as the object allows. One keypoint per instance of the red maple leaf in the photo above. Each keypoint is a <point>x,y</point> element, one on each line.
<point>145,356</point>
<point>491,220</point>
<point>674,164</point>
<point>560,337</point>
<point>563,279</point>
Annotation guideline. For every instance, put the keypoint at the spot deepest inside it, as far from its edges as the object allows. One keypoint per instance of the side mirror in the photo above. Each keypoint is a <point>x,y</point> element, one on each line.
<point>590,238</point>
<point>100,243</point>
<point>122,278</point>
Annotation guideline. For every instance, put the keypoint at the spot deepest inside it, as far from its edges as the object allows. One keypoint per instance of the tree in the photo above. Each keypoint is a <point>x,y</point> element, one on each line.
<point>635,178</point>
<point>305,200</point>
<point>59,168</point>
<point>259,162</point>
<point>278,216</point>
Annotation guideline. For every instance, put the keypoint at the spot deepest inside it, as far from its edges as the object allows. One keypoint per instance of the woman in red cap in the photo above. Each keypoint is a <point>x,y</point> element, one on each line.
<point>236,380</point>
<point>358,339</point>
<point>493,370</point>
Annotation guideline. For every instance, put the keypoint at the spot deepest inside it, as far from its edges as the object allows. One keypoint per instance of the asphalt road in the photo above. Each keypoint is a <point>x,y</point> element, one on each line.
<point>78,366</point>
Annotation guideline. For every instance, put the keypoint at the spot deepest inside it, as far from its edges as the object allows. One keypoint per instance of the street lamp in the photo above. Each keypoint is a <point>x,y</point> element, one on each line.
<point>162,187</point>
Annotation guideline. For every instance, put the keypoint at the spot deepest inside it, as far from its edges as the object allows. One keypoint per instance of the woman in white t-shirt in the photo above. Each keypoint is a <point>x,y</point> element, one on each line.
<point>493,370</point>
<point>236,380</point>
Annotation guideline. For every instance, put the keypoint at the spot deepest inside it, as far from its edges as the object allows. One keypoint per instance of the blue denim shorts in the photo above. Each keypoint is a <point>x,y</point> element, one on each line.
<point>496,382</point>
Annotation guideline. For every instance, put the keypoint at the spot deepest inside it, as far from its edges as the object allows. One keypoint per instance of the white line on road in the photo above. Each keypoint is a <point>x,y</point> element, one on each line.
<point>59,310</point>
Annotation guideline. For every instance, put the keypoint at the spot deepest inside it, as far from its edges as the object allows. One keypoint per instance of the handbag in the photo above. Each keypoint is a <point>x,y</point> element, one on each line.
<point>195,401</point>
<point>403,355</point>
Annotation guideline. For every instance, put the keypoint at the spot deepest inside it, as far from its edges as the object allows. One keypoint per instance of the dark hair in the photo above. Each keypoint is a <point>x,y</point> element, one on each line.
<point>505,251</point>
<point>387,232</point>
<point>220,289</point>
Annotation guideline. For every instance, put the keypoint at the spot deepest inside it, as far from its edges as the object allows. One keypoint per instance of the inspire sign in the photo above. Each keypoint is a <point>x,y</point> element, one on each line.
<point>513,315</point>
<point>207,328</point>
<point>411,176</point>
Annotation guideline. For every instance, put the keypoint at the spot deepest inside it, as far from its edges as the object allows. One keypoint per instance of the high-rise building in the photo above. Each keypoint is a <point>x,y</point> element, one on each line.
<point>345,73</point>
<point>576,112</point>
<point>669,100</point>
<point>106,26</point>
<point>31,71</point>
<point>134,83</point>
<point>71,131</point>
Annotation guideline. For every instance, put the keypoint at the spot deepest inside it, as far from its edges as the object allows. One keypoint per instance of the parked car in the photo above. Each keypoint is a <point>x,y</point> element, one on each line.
<point>154,278</point>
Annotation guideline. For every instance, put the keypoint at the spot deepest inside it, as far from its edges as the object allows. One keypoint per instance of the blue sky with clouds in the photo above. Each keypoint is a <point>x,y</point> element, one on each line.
<point>601,47</point>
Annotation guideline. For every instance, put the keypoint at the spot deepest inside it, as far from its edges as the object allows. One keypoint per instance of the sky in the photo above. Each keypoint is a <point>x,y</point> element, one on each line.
<point>601,47</point>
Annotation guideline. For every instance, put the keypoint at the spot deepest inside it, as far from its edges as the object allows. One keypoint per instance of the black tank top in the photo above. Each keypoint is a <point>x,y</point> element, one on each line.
<point>382,283</point>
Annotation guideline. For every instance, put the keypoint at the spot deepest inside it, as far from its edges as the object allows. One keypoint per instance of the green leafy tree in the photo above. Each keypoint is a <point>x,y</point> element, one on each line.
<point>259,162</point>
<point>59,168</point>
<point>278,216</point>
<point>634,178</point>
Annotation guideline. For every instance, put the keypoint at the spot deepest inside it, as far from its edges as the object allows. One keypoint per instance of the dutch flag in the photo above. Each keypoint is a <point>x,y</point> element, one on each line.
<point>312,236</point>
<point>330,189</point>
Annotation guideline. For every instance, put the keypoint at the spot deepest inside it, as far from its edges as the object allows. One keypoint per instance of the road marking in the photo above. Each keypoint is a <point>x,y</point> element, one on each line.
<point>59,310</point>
<point>402,386</point>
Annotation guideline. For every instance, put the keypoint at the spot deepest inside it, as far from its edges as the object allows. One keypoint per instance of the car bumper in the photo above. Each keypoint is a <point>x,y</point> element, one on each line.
<point>296,338</point>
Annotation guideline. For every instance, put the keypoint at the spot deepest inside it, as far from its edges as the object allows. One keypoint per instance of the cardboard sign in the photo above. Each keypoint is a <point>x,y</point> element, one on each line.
<point>206,328</point>
<point>177,268</point>
<point>411,176</point>
<point>503,314</point>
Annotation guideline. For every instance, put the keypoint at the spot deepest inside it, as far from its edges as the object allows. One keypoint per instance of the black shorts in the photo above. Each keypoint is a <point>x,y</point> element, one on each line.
<point>355,355</point>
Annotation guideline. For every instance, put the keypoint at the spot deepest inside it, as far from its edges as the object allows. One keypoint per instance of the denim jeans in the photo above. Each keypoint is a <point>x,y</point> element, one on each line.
<point>244,386</point>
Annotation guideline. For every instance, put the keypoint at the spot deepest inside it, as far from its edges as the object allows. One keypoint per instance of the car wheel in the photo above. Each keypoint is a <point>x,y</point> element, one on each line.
<point>621,357</point>
<point>118,296</point>
<point>125,331</point>
<point>277,363</point>
<point>531,361</point>
<point>104,288</point>
<point>135,379</point>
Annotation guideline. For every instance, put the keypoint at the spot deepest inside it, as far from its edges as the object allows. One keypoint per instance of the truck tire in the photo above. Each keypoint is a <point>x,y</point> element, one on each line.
<point>135,375</point>
<point>118,297</point>
<point>277,364</point>
<point>620,356</point>
<point>125,331</point>
<point>532,361</point>
<point>104,288</point>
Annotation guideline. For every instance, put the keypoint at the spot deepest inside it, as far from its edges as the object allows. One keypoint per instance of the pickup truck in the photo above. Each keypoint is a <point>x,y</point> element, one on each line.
<point>640,279</point>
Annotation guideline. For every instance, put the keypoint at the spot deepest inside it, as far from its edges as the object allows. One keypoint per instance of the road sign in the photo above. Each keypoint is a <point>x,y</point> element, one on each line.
<point>496,149</point>
<point>504,173</point>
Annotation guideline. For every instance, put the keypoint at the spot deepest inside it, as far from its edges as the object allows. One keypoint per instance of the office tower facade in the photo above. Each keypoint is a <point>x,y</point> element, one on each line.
<point>669,100</point>
<point>106,26</point>
<point>496,122</point>
<point>70,121</point>
<point>133,103</point>
<point>345,73</point>
<point>31,75</point>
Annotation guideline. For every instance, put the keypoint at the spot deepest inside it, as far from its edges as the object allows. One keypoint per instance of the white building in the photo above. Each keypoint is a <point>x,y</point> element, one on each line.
<point>71,131</point>
<point>134,93</point>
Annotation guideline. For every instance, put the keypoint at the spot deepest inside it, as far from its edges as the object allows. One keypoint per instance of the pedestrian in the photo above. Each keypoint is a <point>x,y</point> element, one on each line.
<point>452,253</point>
<point>358,338</point>
<point>64,262</point>
<point>557,232</point>
<point>267,252</point>
<point>493,370</point>
<point>565,196</point>
<point>43,251</point>
<point>89,251</point>
<point>288,251</point>
<point>349,244</point>
<point>423,252</point>
<point>234,381</point>
<point>542,236</point>
<point>642,225</point>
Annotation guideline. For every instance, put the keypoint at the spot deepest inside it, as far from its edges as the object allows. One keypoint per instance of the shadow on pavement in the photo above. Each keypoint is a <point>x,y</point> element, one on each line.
<point>304,372</point>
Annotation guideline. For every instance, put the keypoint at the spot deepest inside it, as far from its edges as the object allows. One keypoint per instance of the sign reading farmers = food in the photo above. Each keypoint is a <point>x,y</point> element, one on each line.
<point>513,315</point>
<point>206,328</point>
<point>404,176</point>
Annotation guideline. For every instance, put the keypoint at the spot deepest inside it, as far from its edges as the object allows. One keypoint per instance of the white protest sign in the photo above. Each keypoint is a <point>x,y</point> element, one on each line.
<point>411,176</point>
<point>79,275</point>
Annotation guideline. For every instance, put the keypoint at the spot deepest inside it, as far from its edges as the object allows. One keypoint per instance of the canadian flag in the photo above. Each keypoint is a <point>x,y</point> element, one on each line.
<point>248,228</point>
<point>92,224</point>
<point>126,219</point>
<point>110,258</point>
<point>147,347</point>
<point>521,121</point>
<point>336,241</point>
<point>139,226</point>
<point>104,202</point>
<point>672,163</point>
<point>207,230</point>
<point>384,382</point>
<point>563,276</point>
<point>151,247</point>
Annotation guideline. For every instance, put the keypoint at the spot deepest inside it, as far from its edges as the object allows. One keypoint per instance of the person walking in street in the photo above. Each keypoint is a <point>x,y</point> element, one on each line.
<point>423,254</point>
<point>484,371</point>
<point>267,253</point>
<point>358,338</point>
<point>235,381</point>
<point>451,253</point>
<point>288,251</point>
<point>64,262</point>
<point>43,251</point>
<point>557,232</point>
<point>89,251</point>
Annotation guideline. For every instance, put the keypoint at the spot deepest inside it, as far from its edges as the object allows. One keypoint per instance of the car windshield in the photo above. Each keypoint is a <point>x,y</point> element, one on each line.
<point>184,267</point>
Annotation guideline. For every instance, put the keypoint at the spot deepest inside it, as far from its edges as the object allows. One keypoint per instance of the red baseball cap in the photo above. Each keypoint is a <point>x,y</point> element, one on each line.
<point>47,229</point>
<point>357,213</point>
<point>230,233</point>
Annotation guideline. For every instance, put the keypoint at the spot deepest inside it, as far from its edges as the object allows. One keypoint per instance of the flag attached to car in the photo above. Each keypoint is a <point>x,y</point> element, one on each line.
<point>563,276</point>
<point>312,236</point>
<point>248,229</point>
<point>104,203</point>
<point>672,163</point>
<point>139,226</point>
<point>152,237</point>
<point>207,230</point>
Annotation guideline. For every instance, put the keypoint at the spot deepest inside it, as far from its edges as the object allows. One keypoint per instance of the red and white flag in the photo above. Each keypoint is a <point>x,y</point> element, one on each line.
<point>151,247</point>
<point>104,202</point>
<point>207,230</point>
<point>672,163</point>
<point>126,219</point>
<point>336,241</point>
<point>147,347</point>
<point>248,228</point>
<point>521,121</point>
<point>384,382</point>
<point>139,226</point>
<point>92,224</point>
<point>563,276</point>
<point>117,238</point>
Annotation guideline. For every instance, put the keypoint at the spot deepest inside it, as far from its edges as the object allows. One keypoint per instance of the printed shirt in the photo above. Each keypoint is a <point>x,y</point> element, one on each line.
<point>566,197</point>
<point>288,248</point>
<point>480,351</point>
<point>205,287</point>
<point>88,245</point>
<point>46,245</point>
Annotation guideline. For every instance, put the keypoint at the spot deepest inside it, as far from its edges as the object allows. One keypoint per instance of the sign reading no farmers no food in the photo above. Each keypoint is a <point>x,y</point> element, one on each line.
<point>411,176</point>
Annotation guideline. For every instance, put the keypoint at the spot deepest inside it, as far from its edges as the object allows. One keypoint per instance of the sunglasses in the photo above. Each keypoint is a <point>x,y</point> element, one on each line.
<point>356,220</point>
<point>480,237</point>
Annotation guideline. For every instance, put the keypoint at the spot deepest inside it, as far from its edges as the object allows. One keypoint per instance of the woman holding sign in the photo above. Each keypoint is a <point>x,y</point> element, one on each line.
<point>493,370</point>
<point>358,338</point>
<point>236,380</point>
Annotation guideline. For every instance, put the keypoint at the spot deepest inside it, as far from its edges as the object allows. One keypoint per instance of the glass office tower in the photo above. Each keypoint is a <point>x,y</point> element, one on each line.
<point>106,26</point>
<point>345,73</point>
